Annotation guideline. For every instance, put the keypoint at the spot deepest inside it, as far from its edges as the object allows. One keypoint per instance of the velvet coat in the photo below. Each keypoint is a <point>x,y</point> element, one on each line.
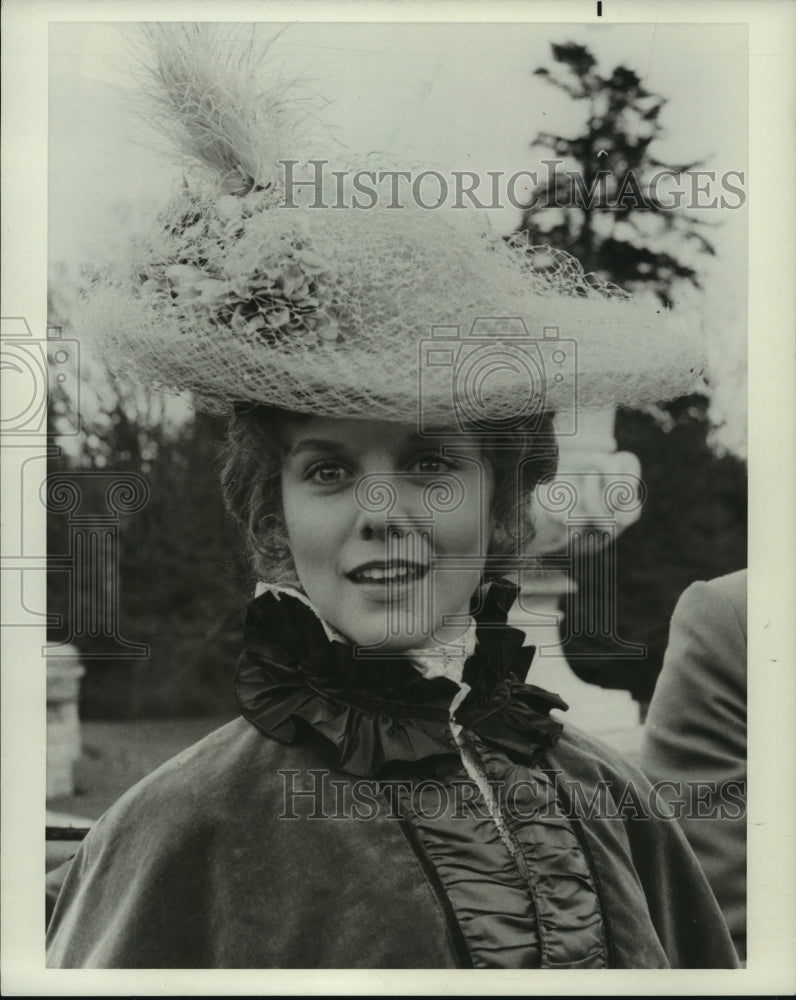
<point>252,848</point>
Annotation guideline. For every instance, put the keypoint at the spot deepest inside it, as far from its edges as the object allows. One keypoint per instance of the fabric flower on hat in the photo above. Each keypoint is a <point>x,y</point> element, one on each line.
<point>235,271</point>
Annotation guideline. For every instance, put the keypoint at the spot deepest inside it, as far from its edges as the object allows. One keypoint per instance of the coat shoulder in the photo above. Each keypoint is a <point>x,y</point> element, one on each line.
<point>586,755</point>
<point>200,782</point>
<point>718,605</point>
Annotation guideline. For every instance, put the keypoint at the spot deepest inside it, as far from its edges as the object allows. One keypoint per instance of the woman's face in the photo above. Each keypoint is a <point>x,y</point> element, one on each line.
<point>388,531</point>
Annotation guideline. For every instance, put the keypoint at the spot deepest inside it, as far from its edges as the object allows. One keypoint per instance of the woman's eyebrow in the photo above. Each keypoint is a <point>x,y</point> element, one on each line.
<point>444,438</point>
<point>434,437</point>
<point>315,444</point>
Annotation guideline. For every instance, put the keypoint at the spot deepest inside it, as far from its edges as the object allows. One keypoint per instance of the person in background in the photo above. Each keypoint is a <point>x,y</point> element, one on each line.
<point>695,735</point>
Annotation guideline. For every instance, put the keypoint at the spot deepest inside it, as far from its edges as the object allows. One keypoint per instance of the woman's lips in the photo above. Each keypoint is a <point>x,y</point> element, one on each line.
<point>382,573</point>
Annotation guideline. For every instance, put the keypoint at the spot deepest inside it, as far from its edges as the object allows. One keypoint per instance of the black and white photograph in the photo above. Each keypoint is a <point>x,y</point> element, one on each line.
<point>397,445</point>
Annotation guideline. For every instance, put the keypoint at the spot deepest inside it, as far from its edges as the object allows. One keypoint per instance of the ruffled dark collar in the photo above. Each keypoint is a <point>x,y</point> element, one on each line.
<point>376,711</point>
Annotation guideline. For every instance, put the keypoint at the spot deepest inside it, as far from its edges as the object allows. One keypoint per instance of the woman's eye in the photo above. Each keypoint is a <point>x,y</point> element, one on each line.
<point>431,464</point>
<point>326,473</point>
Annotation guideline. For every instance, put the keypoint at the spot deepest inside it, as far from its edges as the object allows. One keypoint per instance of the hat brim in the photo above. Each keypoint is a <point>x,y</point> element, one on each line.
<point>434,318</point>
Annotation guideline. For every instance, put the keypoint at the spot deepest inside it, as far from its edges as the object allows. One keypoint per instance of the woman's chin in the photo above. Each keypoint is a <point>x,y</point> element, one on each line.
<point>385,633</point>
<point>393,627</point>
<point>385,641</point>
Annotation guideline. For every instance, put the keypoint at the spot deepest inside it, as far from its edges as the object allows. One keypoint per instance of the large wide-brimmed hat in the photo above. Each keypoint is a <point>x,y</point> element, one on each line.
<point>234,295</point>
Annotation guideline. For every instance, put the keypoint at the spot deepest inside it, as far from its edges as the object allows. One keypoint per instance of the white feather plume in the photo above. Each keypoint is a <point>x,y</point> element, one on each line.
<point>212,91</point>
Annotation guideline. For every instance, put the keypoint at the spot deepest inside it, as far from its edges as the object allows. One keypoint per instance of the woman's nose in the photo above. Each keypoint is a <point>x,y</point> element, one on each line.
<point>388,504</point>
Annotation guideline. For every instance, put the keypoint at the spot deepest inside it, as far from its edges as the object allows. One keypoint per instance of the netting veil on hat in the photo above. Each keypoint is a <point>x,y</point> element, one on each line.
<point>234,296</point>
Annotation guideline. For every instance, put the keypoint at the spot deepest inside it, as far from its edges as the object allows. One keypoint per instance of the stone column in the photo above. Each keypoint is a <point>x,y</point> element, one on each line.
<point>63,722</point>
<point>596,494</point>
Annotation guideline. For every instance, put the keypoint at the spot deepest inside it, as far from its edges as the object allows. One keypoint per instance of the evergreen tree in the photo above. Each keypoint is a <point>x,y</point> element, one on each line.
<point>600,203</point>
<point>601,200</point>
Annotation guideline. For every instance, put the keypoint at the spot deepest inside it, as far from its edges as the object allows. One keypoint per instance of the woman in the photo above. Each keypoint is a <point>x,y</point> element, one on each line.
<point>394,794</point>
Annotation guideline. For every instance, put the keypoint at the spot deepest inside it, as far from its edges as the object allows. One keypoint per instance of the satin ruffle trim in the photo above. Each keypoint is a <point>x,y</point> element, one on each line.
<point>378,710</point>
